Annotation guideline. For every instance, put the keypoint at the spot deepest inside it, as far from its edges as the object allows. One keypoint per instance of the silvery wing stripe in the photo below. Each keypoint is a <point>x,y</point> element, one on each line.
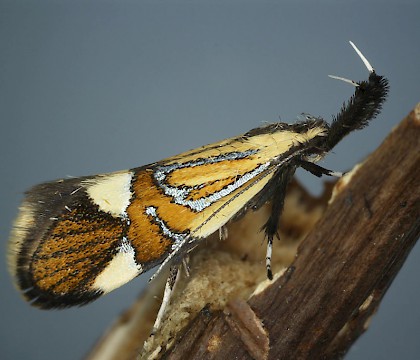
<point>178,238</point>
<point>162,171</point>
<point>126,247</point>
<point>179,195</point>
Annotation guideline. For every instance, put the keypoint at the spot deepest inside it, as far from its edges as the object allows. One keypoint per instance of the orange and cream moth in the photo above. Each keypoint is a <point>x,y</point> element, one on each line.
<point>76,239</point>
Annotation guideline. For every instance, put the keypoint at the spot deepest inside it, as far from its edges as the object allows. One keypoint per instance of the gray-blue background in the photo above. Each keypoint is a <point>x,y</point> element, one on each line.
<point>101,86</point>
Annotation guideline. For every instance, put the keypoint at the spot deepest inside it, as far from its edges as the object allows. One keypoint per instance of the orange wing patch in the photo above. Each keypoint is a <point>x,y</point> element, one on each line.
<point>145,232</point>
<point>71,252</point>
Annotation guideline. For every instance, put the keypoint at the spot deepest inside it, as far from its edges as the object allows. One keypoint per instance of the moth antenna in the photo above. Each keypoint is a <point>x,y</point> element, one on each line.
<point>351,82</point>
<point>365,61</point>
<point>363,106</point>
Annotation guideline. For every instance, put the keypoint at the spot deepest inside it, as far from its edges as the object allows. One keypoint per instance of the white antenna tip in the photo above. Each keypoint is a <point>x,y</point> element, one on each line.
<point>351,82</point>
<point>365,61</point>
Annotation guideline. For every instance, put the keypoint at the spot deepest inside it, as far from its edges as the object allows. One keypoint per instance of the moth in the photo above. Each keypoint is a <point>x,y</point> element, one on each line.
<point>76,239</point>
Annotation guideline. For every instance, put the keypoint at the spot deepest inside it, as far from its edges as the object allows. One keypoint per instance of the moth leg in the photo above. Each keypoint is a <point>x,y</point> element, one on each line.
<point>223,233</point>
<point>268,255</point>
<point>281,180</point>
<point>169,287</point>
<point>186,265</point>
<point>317,170</point>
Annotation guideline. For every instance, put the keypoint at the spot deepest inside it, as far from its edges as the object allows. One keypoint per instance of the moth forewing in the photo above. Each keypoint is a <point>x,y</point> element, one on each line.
<point>78,238</point>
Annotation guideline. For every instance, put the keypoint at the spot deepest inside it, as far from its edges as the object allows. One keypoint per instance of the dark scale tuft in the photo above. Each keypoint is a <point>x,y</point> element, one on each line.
<point>363,106</point>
